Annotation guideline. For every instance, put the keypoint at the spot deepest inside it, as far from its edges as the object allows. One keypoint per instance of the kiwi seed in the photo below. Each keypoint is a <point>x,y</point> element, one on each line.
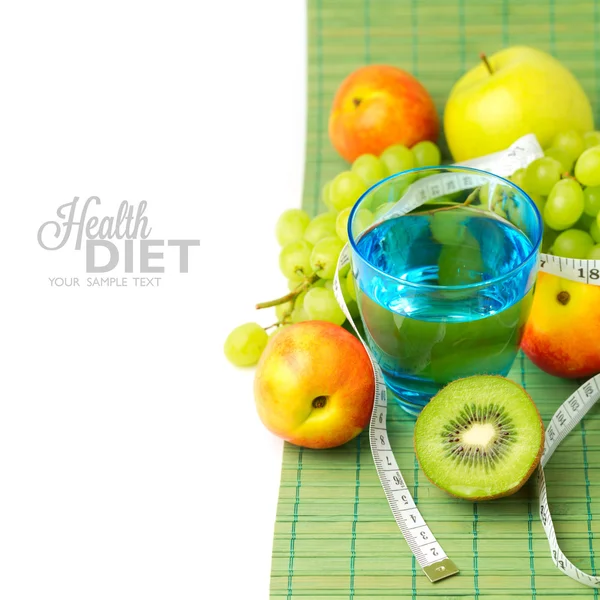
<point>482,434</point>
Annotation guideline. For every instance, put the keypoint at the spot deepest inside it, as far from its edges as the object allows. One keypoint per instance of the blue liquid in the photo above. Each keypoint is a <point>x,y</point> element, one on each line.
<point>425,339</point>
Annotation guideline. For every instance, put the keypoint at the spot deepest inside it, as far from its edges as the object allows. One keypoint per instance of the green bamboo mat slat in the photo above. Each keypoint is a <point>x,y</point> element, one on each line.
<point>335,537</point>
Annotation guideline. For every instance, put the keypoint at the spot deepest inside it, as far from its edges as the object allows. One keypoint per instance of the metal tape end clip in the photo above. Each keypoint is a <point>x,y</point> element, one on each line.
<point>440,570</point>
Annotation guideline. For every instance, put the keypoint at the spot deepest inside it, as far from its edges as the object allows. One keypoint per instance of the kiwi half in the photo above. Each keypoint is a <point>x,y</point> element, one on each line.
<point>479,438</point>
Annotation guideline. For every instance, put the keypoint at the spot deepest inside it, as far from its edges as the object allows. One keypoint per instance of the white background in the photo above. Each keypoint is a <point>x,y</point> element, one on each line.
<point>132,461</point>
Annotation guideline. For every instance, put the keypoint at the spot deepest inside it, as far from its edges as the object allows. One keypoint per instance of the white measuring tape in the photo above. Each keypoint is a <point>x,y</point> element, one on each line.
<point>428,552</point>
<point>562,423</point>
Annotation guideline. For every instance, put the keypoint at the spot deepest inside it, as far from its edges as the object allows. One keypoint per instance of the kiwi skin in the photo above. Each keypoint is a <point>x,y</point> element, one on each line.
<point>534,465</point>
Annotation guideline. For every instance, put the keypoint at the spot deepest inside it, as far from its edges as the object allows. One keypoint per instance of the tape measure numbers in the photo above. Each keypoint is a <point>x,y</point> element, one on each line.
<point>426,549</point>
<point>428,552</point>
<point>562,423</point>
<point>584,271</point>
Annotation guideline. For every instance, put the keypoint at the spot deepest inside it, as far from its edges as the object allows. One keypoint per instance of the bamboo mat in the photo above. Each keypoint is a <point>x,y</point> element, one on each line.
<point>335,537</point>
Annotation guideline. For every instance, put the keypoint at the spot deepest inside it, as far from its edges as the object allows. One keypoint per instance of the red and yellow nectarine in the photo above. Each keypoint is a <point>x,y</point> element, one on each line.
<point>314,385</point>
<point>562,335</point>
<point>378,106</point>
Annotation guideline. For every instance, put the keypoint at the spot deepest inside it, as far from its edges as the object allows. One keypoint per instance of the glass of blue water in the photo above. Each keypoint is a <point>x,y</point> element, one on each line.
<point>444,276</point>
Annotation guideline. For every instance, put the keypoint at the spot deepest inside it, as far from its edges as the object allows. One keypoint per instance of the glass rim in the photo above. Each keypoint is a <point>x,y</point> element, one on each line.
<point>468,286</point>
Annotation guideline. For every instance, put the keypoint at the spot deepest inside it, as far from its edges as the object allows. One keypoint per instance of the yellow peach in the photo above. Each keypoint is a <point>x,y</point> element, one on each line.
<point>314,385</point>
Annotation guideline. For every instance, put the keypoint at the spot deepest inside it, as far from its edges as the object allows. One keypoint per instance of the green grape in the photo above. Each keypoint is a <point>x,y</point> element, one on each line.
<point>570,142</point>
<point>300,298</point>
<point>382,194</point>
<point>587,167</point>
<point>398,158</point>
<point>539,201</point>
<point>344,270</point>
<point>391,191</point>
<point>573,243</point>
<point>294,259</point>
<point>370,169</point>
<point>341,224</point>
<point>324,256</point>
<point>594,253</point>
<point>548,238</point>
<point>326,195</point>
<point>595,231</point>
<point>483,192</point>
<point>591,138</point>
<point>564,205</point>
<point>542,174</point>
<point>362,220</point>
<point>584,223</point>
<point>321,226</point>
<point>591,196</point>
<point>245,344</point>
<point>293,283</point>
<point>350,285</point>
<point>328,285</point>
<point>352,307</point>
<point>518,178</point>
<point>345,293</point>
<point>426,154</point>
<point>382,209</point>
<point>320,304</point>
<point>291,226</point>
<point>283,310</point>
<point>447,227</point>
<point>346,189</point>
<point>565,159</point>
<point>299,314</point>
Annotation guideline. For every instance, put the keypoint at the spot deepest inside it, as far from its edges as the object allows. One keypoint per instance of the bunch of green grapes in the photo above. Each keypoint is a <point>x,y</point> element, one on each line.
<point>565,185</point>
<point>310,248</point>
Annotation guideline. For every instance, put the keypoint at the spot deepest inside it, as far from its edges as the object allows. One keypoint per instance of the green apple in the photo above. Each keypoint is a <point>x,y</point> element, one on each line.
<point>516,91</point>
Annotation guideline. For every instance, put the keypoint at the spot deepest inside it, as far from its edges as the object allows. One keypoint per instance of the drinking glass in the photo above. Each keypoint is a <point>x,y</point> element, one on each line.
<point>444,276</point>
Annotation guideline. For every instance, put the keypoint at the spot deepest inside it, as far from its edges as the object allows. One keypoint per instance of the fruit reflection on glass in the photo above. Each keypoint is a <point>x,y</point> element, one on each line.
<point>479,438</point>
<point>444,291</point>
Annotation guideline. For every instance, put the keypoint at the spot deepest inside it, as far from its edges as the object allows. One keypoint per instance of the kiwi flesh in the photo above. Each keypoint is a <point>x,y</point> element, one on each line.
<point>479,438</point>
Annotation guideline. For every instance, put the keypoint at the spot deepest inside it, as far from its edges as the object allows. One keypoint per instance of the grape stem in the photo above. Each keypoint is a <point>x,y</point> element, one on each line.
<point>471,198</point>
<point>292,295</point>
<point>567,175</point>
<point>443,209</point>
